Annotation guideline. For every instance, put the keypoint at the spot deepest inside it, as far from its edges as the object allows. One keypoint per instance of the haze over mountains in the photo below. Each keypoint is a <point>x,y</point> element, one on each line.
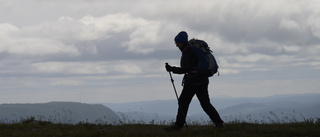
<point>278,108</point>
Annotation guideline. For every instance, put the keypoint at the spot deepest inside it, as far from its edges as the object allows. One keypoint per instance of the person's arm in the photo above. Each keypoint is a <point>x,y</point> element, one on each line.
<point>186,63</point>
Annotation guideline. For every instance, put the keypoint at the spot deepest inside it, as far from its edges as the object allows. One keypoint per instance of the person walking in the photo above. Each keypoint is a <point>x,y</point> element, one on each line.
<point>193,84</point>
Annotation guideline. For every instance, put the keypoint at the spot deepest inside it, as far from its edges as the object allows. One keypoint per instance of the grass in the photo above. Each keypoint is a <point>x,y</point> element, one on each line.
<point>33,128</point>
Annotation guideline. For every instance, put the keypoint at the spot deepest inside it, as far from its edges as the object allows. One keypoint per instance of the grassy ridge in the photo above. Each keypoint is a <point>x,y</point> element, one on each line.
<point>47,129</point>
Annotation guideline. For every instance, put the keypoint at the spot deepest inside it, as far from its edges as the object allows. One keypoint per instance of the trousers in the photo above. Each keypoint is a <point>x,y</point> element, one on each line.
<point>201,91</point>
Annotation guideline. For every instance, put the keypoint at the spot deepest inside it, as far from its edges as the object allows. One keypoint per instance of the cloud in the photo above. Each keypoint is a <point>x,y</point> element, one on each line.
<point>313,22</point>
<point>98,67</point>
<point>14,41</point>
<point>145,36</point>
<point>7,28</point>
<point>289,24</point>
<point>66,82</point>
<point>291,48</point>
<point>249,28</point>
<point>139,30</point>
<point>103,45</point>
<point>38,47</point>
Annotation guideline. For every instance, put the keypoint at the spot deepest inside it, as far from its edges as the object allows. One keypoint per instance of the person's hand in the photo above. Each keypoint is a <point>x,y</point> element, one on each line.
<point>168,67</point>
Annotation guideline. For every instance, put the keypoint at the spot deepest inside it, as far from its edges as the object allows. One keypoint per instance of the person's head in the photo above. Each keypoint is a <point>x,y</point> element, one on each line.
<point>181,39</point>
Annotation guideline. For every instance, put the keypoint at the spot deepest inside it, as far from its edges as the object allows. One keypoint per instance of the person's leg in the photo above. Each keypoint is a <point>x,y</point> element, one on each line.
<point>184,101</point>
<point>203,96</point>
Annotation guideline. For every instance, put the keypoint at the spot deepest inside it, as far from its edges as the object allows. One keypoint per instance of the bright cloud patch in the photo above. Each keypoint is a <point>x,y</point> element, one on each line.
<point>143,35</point>
<point>88,67</point>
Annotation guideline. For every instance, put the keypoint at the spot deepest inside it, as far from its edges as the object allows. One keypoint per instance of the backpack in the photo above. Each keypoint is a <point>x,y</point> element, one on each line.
<point>207,64</point>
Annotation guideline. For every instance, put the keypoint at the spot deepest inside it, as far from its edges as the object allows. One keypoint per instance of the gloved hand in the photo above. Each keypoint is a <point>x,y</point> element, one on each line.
<point>168,67</point>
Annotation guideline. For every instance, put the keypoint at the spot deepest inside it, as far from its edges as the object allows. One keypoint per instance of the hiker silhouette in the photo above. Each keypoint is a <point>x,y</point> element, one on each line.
<point>193,84</point>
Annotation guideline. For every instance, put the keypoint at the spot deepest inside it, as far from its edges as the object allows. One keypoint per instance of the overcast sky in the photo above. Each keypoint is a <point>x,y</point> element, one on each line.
<point>114,51</point>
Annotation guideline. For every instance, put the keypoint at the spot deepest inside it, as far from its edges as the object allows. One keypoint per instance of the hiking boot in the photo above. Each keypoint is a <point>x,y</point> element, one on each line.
<point>218,126</point>
<point>172,129</point>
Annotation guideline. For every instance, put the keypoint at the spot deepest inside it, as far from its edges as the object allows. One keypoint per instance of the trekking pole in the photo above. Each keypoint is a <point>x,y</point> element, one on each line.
<point>174,87</point>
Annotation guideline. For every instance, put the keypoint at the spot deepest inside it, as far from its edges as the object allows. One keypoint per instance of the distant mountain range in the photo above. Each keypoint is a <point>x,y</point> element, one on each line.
<point>278,108</point>
<point>58,112</point>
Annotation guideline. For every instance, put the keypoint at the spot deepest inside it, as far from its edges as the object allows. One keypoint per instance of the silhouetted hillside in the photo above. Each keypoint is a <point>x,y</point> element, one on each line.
<point>58,112</point>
